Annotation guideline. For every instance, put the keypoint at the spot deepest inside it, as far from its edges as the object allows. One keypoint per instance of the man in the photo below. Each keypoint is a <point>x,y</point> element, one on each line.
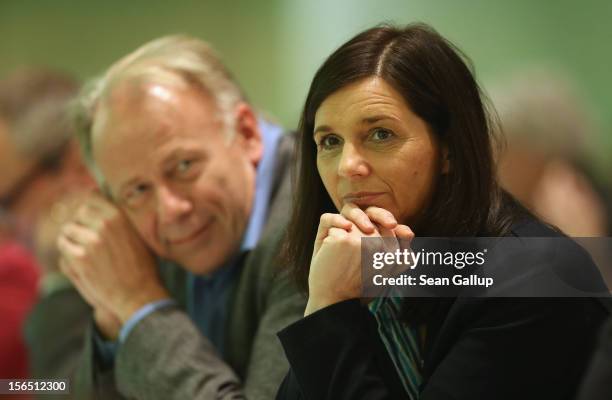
<point>40,166</point>
<point>189,176</point>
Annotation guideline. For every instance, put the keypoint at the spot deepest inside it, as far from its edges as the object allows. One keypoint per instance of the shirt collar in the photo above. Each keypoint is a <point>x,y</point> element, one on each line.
<point>271,135</point>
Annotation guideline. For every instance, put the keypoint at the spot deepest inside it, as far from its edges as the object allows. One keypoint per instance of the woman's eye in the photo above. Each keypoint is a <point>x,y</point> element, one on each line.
<point>381,134</point>
<point>329,141</point>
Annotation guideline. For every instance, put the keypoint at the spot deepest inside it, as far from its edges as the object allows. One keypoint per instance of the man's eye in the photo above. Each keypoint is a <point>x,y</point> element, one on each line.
<point>135,194</point>
<point>380,134</point>
<point>329,142</point>
<point>184,165</point>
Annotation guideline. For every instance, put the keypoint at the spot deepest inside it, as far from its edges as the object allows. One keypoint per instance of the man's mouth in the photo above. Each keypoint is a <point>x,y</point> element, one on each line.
<point>192,235</point>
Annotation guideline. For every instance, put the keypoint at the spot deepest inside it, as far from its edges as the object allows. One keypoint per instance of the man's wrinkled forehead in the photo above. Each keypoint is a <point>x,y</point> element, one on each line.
<point>150,116</point>
<point>119,99</point>
<point>125,99</point>
<point>133,107</point>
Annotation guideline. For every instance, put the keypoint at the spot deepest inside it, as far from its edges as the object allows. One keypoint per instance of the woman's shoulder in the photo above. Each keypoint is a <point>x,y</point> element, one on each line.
<point>530,226</point>
<point>563,266</point>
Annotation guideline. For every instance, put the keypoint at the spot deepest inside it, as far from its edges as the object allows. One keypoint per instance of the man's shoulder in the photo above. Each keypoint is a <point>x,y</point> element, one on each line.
<point>281,195</point>
<point>264,261</point>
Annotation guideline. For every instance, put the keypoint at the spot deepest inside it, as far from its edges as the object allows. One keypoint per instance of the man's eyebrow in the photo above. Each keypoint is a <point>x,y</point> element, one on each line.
<point>125,185</point>
<point>180,153</point>
<point>172,157</point>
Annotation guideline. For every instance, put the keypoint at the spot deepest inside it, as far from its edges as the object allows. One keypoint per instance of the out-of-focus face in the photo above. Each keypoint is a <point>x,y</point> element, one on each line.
<point>14,166</point>
<point>372,150</point>
<point>26,188</point>
<point>166,159</point>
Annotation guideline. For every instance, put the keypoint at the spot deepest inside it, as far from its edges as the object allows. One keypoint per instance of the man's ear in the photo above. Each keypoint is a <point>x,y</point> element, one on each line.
<point>248,133</point>
<point>446,160</point>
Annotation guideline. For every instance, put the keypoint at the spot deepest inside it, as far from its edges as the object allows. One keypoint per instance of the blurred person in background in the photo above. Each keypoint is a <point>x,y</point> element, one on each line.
<point>546,163</point>
<point>176,254</point>
<point>39,166</point>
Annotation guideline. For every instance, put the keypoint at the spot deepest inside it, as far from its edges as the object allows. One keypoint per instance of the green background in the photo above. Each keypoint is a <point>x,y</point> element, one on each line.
<point>274,46</point>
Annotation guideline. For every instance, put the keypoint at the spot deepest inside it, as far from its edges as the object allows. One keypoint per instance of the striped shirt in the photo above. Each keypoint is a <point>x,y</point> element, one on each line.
<point>401,341</point>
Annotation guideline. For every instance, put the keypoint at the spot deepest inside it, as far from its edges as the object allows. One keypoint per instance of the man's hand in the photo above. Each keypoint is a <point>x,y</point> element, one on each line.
<point>108,262</point>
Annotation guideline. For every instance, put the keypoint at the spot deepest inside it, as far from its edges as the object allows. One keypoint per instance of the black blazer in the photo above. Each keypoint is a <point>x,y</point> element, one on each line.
<point>475,348</point>
<point>597,383</point>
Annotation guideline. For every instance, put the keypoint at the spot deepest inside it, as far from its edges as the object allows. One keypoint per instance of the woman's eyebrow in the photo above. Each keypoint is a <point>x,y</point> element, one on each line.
<point>322,128</point>
<point>366,121</point>
<point>376,118</point>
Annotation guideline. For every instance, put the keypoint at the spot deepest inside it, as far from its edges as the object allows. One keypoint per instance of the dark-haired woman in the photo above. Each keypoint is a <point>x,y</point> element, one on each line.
<point>395,141</point>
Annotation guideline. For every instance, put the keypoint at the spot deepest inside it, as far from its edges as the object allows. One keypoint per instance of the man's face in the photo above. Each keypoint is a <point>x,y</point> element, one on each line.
<point>169,166</point>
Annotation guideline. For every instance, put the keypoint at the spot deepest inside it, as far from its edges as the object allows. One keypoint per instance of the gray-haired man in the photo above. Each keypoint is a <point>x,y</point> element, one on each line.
<point>190,175</point>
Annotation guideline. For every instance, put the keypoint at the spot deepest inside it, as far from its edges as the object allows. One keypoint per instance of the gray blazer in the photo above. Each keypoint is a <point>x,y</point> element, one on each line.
<point>166,357</point>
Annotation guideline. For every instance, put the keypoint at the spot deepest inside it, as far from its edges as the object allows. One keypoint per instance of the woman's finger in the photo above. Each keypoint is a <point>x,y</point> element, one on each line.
<point>357,216</point>
<point>337,232</point>
<point>328,221</point>
<point>403,232</point>
<point>381,217</point>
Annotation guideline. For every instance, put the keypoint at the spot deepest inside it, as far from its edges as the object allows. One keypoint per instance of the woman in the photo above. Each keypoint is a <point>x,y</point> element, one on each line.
<point>394,141</point>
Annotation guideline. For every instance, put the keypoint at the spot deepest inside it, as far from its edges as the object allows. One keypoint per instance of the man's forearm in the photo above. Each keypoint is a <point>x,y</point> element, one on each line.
<point>165,357</point>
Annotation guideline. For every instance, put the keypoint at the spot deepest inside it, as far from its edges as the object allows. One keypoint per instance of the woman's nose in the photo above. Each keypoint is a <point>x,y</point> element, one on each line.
<point>352,163</point>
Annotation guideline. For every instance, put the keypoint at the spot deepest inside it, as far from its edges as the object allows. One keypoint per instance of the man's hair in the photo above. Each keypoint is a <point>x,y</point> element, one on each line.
<point>173,60</point>
<point>33,103</point>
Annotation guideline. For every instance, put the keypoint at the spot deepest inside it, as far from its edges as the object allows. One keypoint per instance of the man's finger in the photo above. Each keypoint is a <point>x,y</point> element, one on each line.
<point>79,234</point>
<point>98,202</point>
<point>69,249</point>
<point>89,216</point>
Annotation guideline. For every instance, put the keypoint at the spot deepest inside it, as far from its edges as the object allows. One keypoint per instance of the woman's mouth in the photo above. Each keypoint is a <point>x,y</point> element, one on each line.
<point>362,198</point>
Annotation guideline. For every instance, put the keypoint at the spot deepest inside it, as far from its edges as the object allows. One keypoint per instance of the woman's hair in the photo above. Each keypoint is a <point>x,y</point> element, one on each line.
<point>432,76</point>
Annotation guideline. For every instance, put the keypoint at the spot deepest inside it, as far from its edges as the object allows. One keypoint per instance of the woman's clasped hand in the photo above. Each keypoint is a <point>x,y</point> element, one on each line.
<point>335,270</point>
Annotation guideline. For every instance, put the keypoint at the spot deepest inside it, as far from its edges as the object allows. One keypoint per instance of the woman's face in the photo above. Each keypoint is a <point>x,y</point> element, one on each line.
<point>372,150</point>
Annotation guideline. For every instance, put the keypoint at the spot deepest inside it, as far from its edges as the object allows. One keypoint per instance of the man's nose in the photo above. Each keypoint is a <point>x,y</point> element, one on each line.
<point>352,164</point>
<point>172,205</point>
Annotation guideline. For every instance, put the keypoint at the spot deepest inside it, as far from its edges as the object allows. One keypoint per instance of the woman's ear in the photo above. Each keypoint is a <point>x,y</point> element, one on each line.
<point>446,160</point>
